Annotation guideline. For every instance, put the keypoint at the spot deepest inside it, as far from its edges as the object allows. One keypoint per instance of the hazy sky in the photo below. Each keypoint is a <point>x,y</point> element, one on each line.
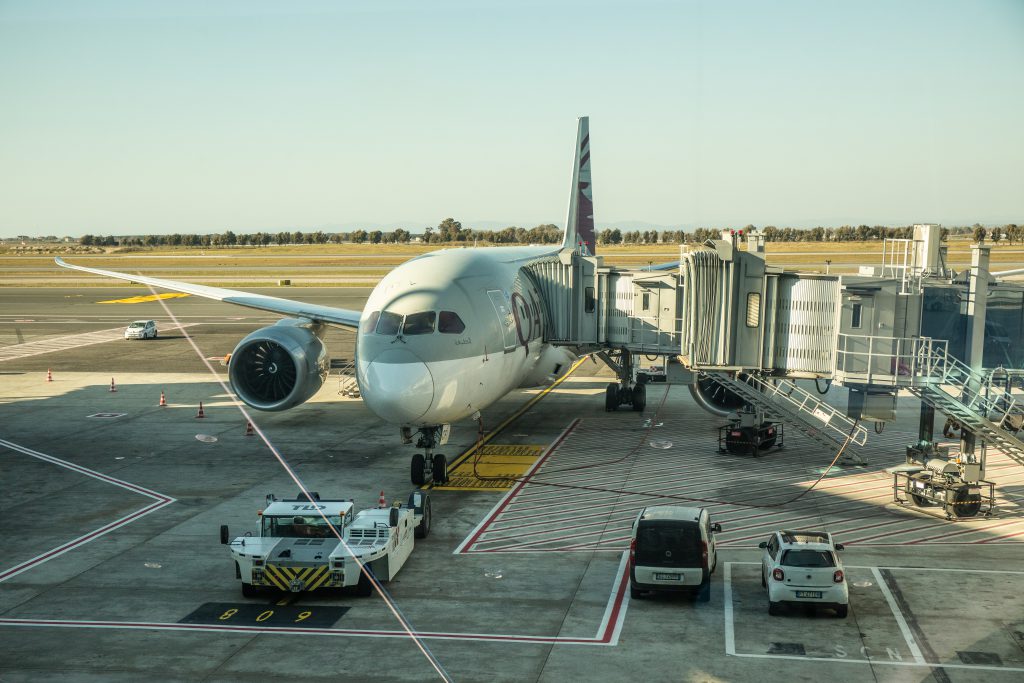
<point>136,117</point>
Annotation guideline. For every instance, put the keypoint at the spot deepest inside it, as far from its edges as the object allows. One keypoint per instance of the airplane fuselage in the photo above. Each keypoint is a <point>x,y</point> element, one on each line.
<point>447,334</point>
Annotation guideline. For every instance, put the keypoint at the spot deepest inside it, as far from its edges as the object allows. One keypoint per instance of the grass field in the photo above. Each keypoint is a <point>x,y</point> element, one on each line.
<point>364,264</point>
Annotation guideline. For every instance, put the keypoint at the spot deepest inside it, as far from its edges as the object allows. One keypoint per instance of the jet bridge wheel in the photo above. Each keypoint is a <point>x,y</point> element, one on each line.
<point>639,397</point>
<point>419,474</point>
<point>611,397</point>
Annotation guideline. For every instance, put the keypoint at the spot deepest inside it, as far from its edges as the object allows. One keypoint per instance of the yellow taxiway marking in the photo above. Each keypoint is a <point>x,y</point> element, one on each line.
<point>468,453</point>
<point>143,299</point>
<point>495,460</point>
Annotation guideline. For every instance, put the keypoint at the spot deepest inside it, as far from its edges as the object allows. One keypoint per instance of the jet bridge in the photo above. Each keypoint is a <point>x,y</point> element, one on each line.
<point>741,332</point>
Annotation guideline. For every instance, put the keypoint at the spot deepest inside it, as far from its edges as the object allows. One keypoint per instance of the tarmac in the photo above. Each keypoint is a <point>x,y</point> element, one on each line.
<point>113,569</point>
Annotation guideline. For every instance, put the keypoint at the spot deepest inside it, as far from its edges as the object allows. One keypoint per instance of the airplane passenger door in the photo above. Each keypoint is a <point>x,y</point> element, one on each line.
<point>506,321</point>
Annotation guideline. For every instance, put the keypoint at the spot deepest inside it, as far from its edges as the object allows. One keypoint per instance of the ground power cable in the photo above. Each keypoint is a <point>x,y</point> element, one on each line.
<point>363,568</point>
<point>652,424</point>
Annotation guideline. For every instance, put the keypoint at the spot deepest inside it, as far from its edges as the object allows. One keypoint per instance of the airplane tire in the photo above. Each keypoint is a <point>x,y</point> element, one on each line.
<point>440,469</point>
<point>419,477</point>
<point>611,398</point>
<point>639,397</point>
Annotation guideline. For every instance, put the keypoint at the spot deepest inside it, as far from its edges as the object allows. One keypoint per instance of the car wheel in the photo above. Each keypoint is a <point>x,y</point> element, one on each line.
<point>774,608</point>
<point>704,592</point>
<point>154,334</point>
<point>841,611</point>
<point>249,590</point>
<point>635,593</point>
<point>764,584</point>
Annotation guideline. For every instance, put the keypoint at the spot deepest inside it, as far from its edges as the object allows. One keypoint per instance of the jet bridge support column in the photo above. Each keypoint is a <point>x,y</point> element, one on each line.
<point>977,299</point>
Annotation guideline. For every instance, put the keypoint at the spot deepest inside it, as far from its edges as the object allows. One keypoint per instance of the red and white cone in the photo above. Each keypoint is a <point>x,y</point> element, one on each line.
<point>113,387</point>
<point>200,413</point>
<point>49,375</point>
<point>249,431</point>
<point>163,400</point>
<point>382,501</point>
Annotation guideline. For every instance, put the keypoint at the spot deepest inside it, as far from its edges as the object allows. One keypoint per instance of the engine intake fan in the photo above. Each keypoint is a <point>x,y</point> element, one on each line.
<point>279,367</point>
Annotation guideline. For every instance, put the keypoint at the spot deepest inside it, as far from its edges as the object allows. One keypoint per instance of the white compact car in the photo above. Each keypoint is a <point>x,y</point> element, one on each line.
<point>672,549</point>
<point>141,329</point>
<point>803,567</point>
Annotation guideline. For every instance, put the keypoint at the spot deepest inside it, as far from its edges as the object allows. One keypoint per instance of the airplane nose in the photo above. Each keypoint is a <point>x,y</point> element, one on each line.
<point>397,386</point>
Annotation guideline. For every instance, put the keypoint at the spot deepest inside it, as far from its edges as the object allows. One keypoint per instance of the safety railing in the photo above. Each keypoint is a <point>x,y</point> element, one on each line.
<point>647,334</point>
<point>890,361</point>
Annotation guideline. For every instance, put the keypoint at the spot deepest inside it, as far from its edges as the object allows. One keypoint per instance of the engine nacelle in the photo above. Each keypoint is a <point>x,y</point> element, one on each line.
<point>714,398</point>
<point>554,362</point>
<point>279,367</point>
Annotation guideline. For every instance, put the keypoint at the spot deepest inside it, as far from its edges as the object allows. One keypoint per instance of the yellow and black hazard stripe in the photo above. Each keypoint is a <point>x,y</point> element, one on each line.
<point>309,578</point>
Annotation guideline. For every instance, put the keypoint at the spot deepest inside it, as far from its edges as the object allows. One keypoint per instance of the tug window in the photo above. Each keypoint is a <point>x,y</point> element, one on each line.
<point>389,323</point>
<point>419,323</point>
<point>450,323</point>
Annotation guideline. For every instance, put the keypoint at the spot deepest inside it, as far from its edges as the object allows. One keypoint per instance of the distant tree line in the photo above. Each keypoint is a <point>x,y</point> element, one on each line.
<point>451,231</point>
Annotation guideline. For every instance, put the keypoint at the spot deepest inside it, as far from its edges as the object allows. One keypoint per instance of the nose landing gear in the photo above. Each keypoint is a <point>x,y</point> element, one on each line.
<point>429,466</point>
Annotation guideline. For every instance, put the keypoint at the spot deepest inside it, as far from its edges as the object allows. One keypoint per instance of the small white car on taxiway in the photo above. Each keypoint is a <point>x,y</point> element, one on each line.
<point>141,329</point>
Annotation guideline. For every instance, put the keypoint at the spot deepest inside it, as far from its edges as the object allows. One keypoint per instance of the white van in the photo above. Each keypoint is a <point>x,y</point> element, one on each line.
<point>672,549</point>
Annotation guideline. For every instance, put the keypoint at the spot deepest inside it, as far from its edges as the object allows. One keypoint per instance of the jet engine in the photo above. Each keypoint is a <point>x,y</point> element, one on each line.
<point>279,367</point>
<point>554,362</point>
<point>714,398</point>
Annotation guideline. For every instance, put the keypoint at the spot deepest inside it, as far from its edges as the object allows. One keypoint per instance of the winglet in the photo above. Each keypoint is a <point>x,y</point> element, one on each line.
<point>579,225</point>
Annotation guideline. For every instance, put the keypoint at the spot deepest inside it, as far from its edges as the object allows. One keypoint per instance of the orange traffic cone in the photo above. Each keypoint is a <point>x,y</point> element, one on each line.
<point>249,431</point>
<point>200,413</point>
<point>113,387</point>
<point>382,502</point>
<point>163,401</point>
<point>49,375</point>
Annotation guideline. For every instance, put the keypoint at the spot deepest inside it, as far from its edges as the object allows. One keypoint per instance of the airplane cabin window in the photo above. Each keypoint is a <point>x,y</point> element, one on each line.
<point>419,323</point>
<point>389,323</point>
<point>371,322</point>
<point>450,323</point>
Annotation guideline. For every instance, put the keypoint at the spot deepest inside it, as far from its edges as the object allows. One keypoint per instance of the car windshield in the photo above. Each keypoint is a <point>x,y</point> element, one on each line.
<point>808,558</point>
<point>138,325</point>
<point>299,527</point>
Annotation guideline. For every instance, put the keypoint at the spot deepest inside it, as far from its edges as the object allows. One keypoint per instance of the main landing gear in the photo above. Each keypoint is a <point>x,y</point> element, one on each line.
<point>627,391</point>
<point>428,465</point>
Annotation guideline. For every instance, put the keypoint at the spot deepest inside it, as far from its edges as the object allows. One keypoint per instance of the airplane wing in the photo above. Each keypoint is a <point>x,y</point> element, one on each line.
<point>340,317</point>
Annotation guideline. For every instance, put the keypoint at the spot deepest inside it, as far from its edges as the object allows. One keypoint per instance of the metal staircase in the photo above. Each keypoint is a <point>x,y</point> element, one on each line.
<point>972,399</point>
<point>783,400</point>
<point>346,369</point>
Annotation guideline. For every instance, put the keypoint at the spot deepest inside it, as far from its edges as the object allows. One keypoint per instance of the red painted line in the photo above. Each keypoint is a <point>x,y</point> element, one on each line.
<point>997,538</point>
<point>969,530</point>
<point>518,487</point>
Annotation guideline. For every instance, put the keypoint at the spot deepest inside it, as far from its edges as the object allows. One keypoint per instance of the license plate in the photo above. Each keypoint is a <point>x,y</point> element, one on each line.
<point>808,594</point>
<point>668,577</point>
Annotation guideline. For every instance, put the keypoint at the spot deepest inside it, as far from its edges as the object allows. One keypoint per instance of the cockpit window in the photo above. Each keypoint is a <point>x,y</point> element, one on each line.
<point>419,323</point>
<point>371,322</point>
<point>389,323</point>
<point>450,323</point>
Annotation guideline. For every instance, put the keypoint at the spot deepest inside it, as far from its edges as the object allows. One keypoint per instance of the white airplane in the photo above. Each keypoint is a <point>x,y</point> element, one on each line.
<point>442,337</point>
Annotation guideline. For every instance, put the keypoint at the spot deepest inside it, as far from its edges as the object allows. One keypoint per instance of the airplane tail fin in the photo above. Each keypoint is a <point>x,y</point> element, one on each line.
<point>579,225</point>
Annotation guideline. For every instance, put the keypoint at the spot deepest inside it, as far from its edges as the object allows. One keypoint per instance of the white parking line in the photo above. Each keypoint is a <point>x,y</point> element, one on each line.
<point>907,635</point>
<point>919,660</point>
